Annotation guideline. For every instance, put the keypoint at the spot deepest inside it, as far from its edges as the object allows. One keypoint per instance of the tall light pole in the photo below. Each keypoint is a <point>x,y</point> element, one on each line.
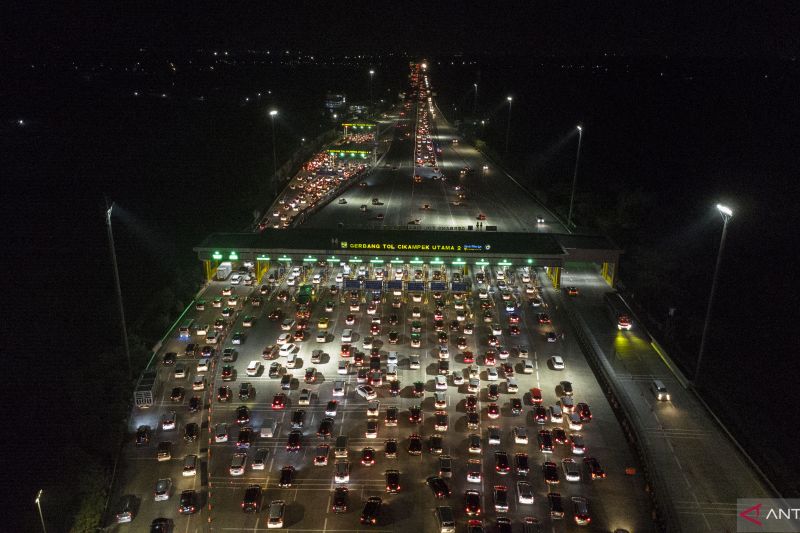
<point>272,114</point>
<point>109,208</point>
<point>39,506</point>
<point>575,175</point>
<point>475,100</point>
<point>371,103</point>
<point>508,126</point>
<point>726,213</point>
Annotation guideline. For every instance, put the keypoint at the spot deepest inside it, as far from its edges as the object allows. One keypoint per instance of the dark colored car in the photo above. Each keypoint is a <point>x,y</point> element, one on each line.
<point>545,441</point>
<point>293,441</point>
<point>415,445</point>
<point>169,358</point>
<point>188,502</point>
<point>287,476</point>
<point>246,391</point>
<point>501,465</point>
<point>340,500</point>
<point>368,456</point>
<point>438,487</point>
<point>595,469</point>
<point>415,414</point>
<point>472,502</point>
<point>224,394</point>
<point>521,464</point>
<point>394,388</point>
<point>392,481</point>
<point>242,415</point>
<point>516,406</point>
<point>177,394</point>
<point>143,434</point>
<point>493,391</point>
<point>252,499</point>
<point>550,471</point>
<point>325,427</point>
<point>194,404</point>
<point>419,389</point>
<point>190,432</point>
<point>298,418</point>
<point>372,511</point>
<point>279,401</point>
<point>227,373</point>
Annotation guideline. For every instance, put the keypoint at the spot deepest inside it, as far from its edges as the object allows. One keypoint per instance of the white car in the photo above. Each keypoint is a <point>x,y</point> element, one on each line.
<point>468,329</point>
<point>511,386</point>
<point>342,368</point>
<point>496,329</point>
<point>575,422</point>
<point>520,435</point>
<point>524,492</point>
<point>373,408</point>
<point>253,368</point>
<point>161,492</point>
<point>439,400</point>
<point>416,297</point>
<point>392,358</point>
<point>338,388</point>
<point>339,278</point>
<point>202,329</point>
<point>483,294</point>
<point>322,336</point>
<point>283,338</point>
<point>287,324</point>
<point>290,281</point>
<point>572,471</point>
<point>536,302</point>
<point>444,353</point>
<point>286,349</point>
<point>367,342</point>
<point>260,459</point>
<point>527,367</point>
<point>238,463</point>
<point>316,279</point>
<point>305,397</point>
<point>168,420</point>
<point>441,382</point>
<point>236,279</point>
<point>413,362</point>
<point>291,360</point>
<point>458,378</point>
<point>529,289</point>
<point>202,364</point>
<point>474,471</point>
<point>558,362</point>
<point>366,392</point>
<point>491,373</point>
<point>199,382</point>
<point>578,446</point>
<point>221,432</point>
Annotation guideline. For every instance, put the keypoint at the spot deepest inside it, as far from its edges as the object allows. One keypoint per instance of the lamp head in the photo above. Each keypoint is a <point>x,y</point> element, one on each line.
<point>725,210</point>
<point>509,99</point>
<point>580,128</point>
<point>273,112</point>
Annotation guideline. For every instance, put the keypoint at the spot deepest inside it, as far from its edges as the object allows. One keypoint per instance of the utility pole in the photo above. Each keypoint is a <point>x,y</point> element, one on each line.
<point>109,208</point>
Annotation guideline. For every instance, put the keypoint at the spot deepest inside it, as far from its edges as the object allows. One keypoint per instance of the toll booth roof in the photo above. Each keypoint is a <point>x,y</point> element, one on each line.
<point>379,241</point>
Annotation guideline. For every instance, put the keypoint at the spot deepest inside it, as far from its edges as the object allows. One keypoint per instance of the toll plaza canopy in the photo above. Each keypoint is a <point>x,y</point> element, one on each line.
<point>403,246</point>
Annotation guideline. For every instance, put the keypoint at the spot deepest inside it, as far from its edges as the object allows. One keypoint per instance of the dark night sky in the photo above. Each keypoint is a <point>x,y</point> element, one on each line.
<point>710,27</point>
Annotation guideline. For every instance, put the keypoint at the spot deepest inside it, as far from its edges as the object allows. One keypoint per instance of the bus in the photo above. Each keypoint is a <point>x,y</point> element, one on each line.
<point>619,311</point>
<point>186,329</point>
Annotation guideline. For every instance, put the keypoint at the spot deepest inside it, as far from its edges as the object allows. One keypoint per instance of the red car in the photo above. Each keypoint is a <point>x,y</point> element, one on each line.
<point>471,403</point>
<point>469,357</point>
<point>513,330</point>
<point>595,469</point>
<point>540,414</point>
<point>513,318</point>
<point>508,370</point>
<point>493,410</point>
<point>346,350</point>
<point>375,329</point>
<point>489,360</point>
<point>543,318</point>
<point>279,401</point>
<point>536,395</point>
<point>584,412</point>
<point>481,216</point>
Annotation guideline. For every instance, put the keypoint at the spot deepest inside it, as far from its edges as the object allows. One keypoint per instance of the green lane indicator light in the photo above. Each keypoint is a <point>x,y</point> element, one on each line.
<point>284,258</point>
<point>262,258</point>
<point>309,259</point>
<point>482,262</point>
<point>504,263</point>
<point>216,255</point>
<point>459,261</point>
<point>397,260</point>
<point>233,256</point>
<point>376,261</point>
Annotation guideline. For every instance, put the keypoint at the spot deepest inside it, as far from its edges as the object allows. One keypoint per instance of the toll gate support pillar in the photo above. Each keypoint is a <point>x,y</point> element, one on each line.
<point>554,273</point>
<point>608,271</point>
<point>209,269</point>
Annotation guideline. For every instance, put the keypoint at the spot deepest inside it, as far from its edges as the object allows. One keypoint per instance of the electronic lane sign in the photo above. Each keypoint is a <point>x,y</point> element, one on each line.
<point>416,286</point>
<point>395,284</point>
<point>352,284</point>
<point>458,287</point>
<point>373,285</point>
<point>438,286</point>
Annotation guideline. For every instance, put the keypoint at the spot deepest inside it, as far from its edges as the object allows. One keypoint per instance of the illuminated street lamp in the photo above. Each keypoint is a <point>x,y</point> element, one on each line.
<point>272,114</point>
<point>726,213</point>
<point>371,75</point>
<point>39,506</point>
<point>475,101</point>
<point>119,290</point>
<point>508,126</point>
<point>575,176</point>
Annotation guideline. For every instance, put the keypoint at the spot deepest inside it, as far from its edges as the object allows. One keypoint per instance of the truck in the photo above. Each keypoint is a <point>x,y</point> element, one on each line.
<point>144,394</point>
<point>224,270</point>
<point>304,295</point>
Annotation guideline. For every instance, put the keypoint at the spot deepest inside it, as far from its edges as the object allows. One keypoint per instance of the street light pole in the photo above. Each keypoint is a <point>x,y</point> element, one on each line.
<point>109,208</point>
<point>475,100</point>
<point>272,114</point>
<point>726,213</point>
<point>371,101</point>
<point>39,506</point>
<point>575,176</point>
<point>508,126</point>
